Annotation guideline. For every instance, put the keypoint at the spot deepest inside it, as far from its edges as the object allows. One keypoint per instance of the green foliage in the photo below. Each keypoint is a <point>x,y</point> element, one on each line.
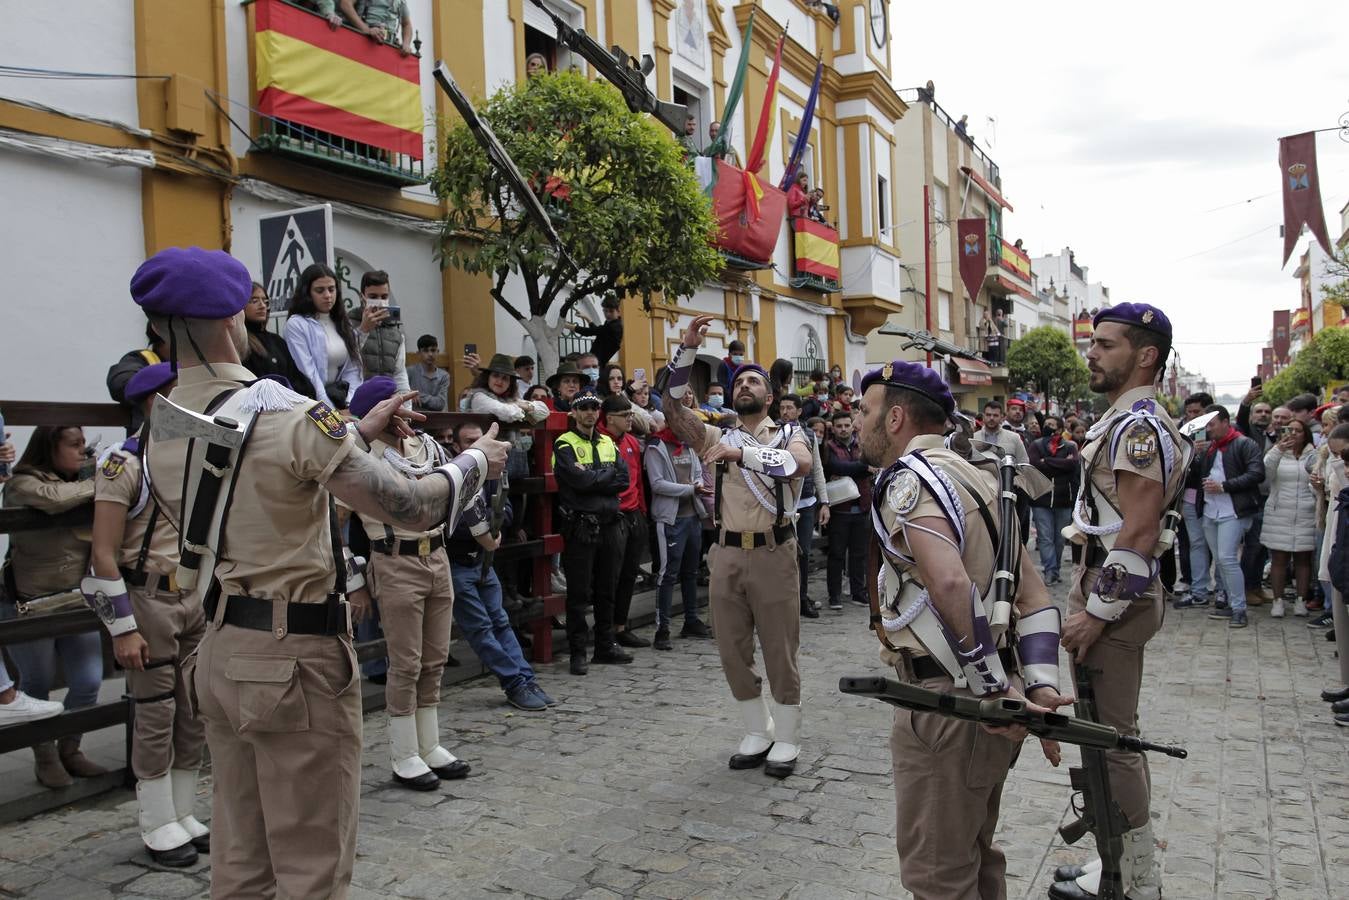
<point>1322,364</point>
<point>1338,267</point>
<point>1047,358</point>
<point>633,218</point>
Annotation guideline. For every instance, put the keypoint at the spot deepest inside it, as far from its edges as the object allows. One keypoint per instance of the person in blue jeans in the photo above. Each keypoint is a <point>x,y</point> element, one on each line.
<point>1200,559</point>
<point>1058,459</point>
<point>1231,470</point>
<point>812,507</point>
<point>677,485</point>
<point>477,609</point>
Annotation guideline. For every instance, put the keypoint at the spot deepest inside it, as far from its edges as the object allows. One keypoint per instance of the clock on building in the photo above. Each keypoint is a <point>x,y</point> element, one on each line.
<point>880,22</point>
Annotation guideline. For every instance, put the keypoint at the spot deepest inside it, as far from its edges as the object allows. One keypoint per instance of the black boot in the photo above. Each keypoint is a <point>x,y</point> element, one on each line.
<point>662,641</point>
<point>610,653</point>
<point>808,611</point>
<point>578,662</point>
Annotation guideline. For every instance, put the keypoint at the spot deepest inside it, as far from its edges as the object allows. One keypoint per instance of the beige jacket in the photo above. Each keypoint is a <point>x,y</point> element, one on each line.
<point>51,559</point>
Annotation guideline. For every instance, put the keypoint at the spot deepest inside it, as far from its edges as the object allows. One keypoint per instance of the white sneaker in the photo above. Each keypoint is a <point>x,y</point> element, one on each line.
<point>24,708</point>
<point>1276,611</point>
<point>558,583</point>
<point>1300,608</point>
<point>1182,586</point>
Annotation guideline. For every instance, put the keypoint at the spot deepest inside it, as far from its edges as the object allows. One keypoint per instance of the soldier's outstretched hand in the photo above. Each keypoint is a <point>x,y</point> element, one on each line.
<point>693,336</point>
<point>389,415</point>
<point>494,450</point>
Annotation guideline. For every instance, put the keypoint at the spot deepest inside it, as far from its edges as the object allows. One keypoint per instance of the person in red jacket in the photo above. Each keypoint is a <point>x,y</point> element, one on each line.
<point>616,421</point>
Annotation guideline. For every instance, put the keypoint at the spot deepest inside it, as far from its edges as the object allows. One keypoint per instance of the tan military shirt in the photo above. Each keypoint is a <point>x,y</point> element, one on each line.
<point>277,544</point>
<point>416,451</point>
<point>900,505</point>
<point>1138,451</point>
<point>740,509</point>
<point>119,481</point>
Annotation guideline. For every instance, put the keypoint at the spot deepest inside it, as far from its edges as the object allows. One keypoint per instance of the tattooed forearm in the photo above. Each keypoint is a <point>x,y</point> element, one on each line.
<point>373,488</point>
<point>684,422</point>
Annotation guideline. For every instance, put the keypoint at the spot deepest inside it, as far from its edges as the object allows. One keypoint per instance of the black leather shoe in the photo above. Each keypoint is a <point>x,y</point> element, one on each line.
<point>780,769</point>
<point>749,760</point>
<point>628,639</point>
<point>427,781</point>
<point>177,858</point>
<point>1068,873</point>
<point>1335,696</point>
<point>1068,890</point>
<point>662,641</point>
<point>695,629</point>
<point>453,772</point>
<point>1340,707</point>
<point>611,655</point>
<point>809,612</point>
<point>578,663</point>
<point>203,843</point>
<point>1342,721</point>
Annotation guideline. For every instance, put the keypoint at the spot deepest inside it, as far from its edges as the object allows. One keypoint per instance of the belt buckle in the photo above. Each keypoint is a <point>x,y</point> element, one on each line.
<point>746,540</point>
<point>173,581</point>
<point>424,545</point>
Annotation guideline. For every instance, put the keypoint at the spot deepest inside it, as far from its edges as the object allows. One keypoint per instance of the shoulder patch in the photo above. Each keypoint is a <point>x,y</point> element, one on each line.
<point>904,492</point>
<point>113,465</point>
<point>1140,445</point>
<point>328,421</point>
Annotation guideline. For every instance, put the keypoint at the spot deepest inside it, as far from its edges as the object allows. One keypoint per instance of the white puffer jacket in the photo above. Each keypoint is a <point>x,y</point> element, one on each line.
<point>1290,514</point>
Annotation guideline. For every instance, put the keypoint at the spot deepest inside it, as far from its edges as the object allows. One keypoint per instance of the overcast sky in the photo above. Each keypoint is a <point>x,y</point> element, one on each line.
<point>1134,133</point>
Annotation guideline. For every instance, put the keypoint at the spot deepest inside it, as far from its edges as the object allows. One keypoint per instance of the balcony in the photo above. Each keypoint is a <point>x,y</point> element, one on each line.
<point>815,261</point>
<point>919,95</point>
<point>335,99</point>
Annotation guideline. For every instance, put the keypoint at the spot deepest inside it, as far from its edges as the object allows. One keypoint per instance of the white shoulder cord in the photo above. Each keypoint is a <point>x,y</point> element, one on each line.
<point>407,466</point>
<point>738,440</point>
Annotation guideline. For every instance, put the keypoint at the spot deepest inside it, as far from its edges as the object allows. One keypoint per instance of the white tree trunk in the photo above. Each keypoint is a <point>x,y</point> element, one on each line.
<point>545,338</point>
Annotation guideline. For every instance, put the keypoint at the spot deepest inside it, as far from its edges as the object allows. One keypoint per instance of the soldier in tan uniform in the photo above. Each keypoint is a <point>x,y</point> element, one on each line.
<point>154,628</point>
<point>275,677</point>
<point>754,585</point>
<point>1133,469</point>
<point>944,626</point>
<point>409,577</point>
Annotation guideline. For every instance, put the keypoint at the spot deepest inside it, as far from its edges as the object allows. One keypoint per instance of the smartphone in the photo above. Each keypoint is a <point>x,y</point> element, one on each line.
<point>395,313</point>
<point>1257,381</point>
<point>639,376</point>
<point>470,349</point>
<point>1285,431</point>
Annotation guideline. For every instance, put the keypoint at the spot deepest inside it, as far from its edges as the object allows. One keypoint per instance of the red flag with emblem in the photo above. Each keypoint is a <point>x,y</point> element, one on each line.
<point>1301,192</point>
<point>972,235</point>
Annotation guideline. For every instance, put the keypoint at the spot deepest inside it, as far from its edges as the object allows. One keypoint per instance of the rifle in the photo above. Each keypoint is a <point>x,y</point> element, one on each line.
<point>621,70</point>
<point>497,521</point>
<point>1099,814</point>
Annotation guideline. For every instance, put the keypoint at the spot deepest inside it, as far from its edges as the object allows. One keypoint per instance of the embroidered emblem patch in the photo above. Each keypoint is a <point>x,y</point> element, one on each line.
<point>113,465</point>
<point>1140,445</point>
<point>469,487</point>
<point>327,420</point>
<point>904,492</point>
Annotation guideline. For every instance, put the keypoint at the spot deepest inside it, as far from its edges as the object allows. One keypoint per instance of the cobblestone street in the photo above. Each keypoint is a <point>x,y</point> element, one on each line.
<point>624,789</point>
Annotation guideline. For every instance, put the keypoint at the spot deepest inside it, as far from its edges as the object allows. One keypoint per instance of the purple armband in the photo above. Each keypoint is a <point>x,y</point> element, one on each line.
<point>109,598</point>
<point>679,369</point>
<point>1037,647</point>
<point>981,664</point>
<point>1124,578</point>
<point>466,474</point>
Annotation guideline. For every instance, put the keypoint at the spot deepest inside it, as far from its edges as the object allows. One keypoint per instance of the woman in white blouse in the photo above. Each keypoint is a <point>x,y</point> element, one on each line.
<point>321,339</point>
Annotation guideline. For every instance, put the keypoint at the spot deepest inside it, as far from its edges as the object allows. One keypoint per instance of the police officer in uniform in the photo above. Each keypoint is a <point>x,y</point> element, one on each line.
<point>937,522</point>
<point>1133,469</point>
<point>754,585</point>
<point>409,577</point>
<point>590,476</point>
<point>275,677</point>
<point>154,628</point>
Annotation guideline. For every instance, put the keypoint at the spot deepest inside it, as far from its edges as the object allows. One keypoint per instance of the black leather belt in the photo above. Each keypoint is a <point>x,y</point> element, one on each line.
<point>149,579</point>
<point>254,613</point>
<point>1094,556</point>
<point>424,546</point>
<point>748,540</point>
<point>925,667</point>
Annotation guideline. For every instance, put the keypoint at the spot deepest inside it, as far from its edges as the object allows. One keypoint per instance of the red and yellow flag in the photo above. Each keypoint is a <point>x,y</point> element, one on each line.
<point>753,189</point>
<point>816,248</point>
<point>336,81</point>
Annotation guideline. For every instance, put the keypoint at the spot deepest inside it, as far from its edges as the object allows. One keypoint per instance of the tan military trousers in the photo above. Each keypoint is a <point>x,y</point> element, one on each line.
<point>166,734</point>
<point>415,597</point>
<point>948,789</point>
<point>757,591</point>
<point>1117,657</point>
<point>283,720</point>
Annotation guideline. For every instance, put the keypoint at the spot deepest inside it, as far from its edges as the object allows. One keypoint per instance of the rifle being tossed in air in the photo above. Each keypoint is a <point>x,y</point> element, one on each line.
<point>622,71</point>
<point>1099,814</point>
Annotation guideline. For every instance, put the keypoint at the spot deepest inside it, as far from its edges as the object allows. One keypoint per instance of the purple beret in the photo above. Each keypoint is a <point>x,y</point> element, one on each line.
<point>750,367</point>
<point>371,393</point>
<point>915,377</point>
<point>192,283</point>
<point>148,380</point>
<point>1139,315</point>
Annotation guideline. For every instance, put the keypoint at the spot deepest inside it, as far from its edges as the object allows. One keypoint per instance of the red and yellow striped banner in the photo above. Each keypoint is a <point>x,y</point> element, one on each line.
<point>336,81</point>
<point>816,248</point>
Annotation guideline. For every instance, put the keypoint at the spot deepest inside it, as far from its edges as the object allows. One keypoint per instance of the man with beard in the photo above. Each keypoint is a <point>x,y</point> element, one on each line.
<point>1133,468</point>
<point>754,588</point>
<point>936,526</point>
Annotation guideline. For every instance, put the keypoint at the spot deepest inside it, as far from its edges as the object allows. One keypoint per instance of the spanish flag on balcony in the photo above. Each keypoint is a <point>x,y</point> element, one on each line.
<point>336,81</point>
<point>816,249</point>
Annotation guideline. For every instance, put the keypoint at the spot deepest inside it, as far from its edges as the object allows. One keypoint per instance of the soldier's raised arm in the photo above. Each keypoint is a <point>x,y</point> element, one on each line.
<point>683,421</point>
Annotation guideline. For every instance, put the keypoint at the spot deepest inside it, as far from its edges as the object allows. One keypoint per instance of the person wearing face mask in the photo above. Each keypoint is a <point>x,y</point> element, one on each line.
<point>379,333</point>
<point>267,350</point>
<point>818,404</point>
<point>716,400</point>
<point>734,359</point>
<point>589,365</point>
<point>321,338</point>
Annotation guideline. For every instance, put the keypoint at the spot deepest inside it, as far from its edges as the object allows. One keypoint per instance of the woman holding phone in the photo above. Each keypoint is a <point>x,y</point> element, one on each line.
<point>321,338</point>
<point>1289,529</point>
